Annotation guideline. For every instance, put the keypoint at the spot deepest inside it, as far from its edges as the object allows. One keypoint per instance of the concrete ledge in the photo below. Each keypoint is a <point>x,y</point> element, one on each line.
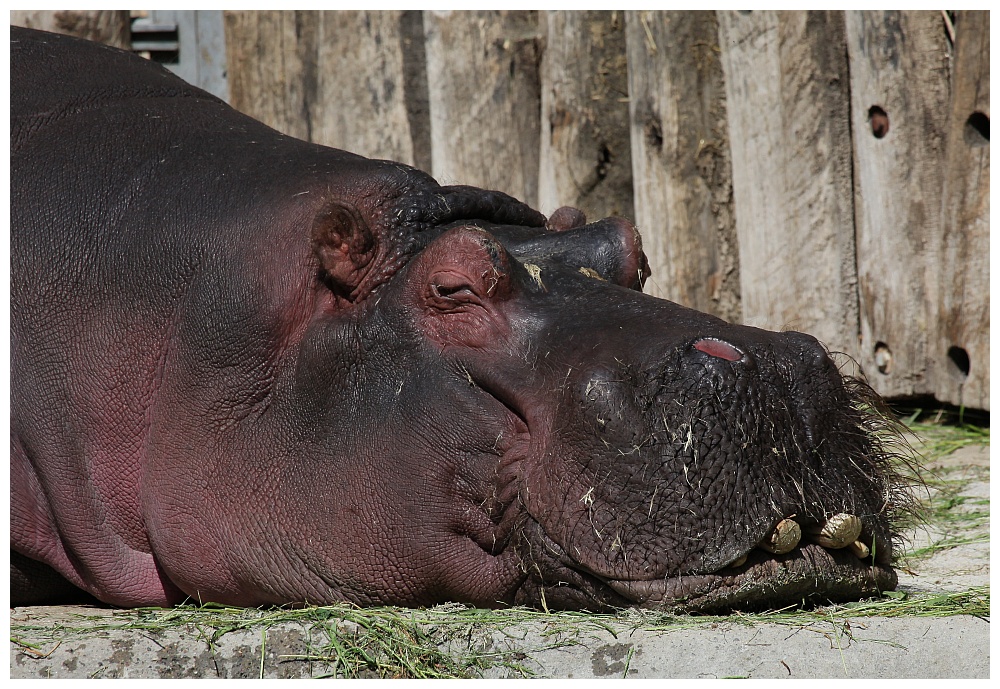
<point>956,646</point>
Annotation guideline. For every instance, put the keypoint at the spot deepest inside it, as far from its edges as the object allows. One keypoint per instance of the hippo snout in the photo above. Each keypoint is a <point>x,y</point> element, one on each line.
<point>734,461</point>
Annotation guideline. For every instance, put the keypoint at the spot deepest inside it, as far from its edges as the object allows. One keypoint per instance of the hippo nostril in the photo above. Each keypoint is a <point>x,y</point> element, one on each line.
<point>718,348</point>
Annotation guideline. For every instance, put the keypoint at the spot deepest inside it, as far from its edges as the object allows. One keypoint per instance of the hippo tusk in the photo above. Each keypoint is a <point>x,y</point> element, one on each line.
<point>738,562</point>
<point>838,531</point>
<point>859,549</point>
<point>784,538</point>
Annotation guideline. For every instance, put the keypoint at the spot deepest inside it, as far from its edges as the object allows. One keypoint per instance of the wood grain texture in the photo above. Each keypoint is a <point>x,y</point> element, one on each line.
<point>680,158</point>
<point>585,157</point>
<point>360,103</point>
<point>111,27</point>
<point>272,67</point>
<point>353,80</point>
<point>483,90</point>
<point>899,64</point>
<point>964,282</point>
<point>787,104</point>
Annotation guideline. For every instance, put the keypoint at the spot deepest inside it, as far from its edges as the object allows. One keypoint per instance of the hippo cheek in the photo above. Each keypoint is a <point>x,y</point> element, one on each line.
<point>674,485</point>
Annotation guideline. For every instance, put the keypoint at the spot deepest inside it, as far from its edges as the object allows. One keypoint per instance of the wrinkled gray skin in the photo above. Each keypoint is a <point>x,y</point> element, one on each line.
<point>253,370</point>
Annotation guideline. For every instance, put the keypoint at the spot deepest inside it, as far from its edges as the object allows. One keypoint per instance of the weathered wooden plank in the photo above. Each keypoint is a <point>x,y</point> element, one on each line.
<point>343,79</point>
<point>585,158</point>
<point>110,27</point>
<point>787,103</point>
<point>272,67</point>
<point>360,103</point>
<point>483,88</point>
<point>680,160</point>
<point>963,345</point>
<point>899,110</point>
<point>418,109</point>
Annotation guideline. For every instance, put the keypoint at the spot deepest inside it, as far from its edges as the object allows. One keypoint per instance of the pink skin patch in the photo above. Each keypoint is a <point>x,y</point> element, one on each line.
<point>719,349</point>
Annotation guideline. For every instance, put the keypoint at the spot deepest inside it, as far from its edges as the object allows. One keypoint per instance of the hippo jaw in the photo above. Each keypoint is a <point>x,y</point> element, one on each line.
<point>810,573</point>
<point>838,474</point>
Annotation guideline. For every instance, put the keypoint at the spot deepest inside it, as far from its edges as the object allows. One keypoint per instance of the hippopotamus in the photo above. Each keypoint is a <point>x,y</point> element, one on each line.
<point>254,370</point>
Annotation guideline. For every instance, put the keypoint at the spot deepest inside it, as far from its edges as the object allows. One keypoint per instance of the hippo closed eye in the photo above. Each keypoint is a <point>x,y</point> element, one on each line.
<point>252,370</point>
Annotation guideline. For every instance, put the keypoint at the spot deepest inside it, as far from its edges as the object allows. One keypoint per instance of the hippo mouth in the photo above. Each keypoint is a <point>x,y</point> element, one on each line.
<point>809,573</point>
<point>821,532</point>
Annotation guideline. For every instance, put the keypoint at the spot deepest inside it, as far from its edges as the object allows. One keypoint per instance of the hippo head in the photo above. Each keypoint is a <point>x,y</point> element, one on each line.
<point>531,428</point>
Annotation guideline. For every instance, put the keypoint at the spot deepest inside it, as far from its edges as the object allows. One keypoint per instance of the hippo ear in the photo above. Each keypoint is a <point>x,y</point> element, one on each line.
<point>344,245</point>
<point>566,218</point>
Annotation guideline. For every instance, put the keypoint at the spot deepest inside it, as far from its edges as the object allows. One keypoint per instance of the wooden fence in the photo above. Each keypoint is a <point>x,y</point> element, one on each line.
<point>822,171</point>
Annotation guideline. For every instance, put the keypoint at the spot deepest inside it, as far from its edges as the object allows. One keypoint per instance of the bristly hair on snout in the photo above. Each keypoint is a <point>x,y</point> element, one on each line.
<point>891,460</point>
<point>747,449</point>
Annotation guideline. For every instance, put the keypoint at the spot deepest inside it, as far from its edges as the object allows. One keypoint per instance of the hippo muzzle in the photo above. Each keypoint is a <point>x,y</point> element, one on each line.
<point>253,370</point>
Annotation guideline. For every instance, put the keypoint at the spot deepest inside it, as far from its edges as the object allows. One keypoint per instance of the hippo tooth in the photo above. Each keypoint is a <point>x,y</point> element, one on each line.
<point>838,531</point>
<point>859,549</point>
<point>784,538</point>
<point>739,562</point>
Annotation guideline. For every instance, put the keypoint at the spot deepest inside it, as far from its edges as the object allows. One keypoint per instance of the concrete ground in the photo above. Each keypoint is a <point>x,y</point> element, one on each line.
<point>874,647</point>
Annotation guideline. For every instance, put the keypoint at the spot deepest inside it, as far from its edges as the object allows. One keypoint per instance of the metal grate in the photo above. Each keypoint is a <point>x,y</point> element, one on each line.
<point>156,41</point>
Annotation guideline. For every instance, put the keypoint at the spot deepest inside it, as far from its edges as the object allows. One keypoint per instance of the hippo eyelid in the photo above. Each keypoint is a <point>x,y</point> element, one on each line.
<point>452,298</point>
<point>458,292</point>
